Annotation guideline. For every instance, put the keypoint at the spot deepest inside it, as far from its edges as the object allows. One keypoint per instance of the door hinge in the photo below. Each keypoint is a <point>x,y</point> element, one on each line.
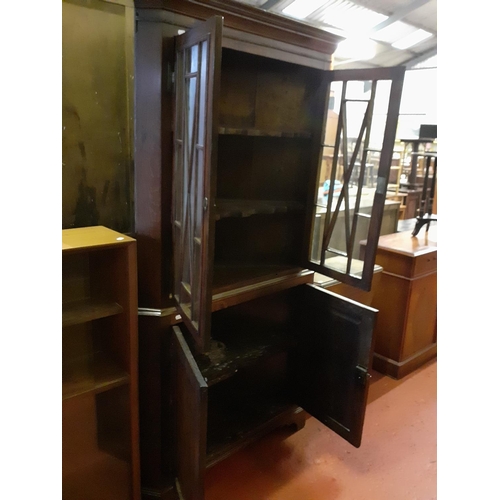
<point>170,78</point>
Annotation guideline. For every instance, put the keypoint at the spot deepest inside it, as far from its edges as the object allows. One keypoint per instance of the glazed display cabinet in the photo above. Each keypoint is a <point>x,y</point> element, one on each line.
<point>233,220</point>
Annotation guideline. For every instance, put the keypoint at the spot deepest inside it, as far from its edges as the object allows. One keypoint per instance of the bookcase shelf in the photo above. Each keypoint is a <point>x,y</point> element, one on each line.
<point>252,132</point>
<point>245,208</point>
<point>87,310</point>
<point>101,375</point>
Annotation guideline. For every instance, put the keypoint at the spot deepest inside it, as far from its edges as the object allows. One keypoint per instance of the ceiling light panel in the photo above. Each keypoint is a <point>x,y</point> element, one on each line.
<point>350,17</point>
<point>412,39</point>
<point>393,32</point>
<point>300,9</point>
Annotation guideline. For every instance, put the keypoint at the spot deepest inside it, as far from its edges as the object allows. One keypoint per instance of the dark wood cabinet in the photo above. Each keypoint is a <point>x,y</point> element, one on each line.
<point>268,358</point>
<point>248,340</point>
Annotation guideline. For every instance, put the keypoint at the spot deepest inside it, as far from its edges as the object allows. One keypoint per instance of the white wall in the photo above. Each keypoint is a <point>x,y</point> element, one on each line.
<point>418,102</point>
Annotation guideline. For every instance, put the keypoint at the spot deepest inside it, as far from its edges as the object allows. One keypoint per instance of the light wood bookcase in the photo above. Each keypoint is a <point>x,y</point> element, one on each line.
<point>100,445</point>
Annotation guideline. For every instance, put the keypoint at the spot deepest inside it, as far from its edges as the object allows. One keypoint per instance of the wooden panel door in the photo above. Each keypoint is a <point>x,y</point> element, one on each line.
<point>329,368</point>
<point>357,147</point>
<point>190,420</point>
<point>198,55</point>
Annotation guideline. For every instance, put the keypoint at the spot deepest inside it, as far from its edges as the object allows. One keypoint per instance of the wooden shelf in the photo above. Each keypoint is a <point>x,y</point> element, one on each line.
<point>75,313</point>
<point>245,208</point>
<point>234,284</point>
<point>101,375</point>
<point>264,133</point>
<point>91,238</point>
<point>230,353</point>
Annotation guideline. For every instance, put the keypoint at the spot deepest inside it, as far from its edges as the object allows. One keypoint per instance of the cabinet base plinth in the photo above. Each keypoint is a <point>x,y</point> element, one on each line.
<point>160,493</point>
<point>399,369</point>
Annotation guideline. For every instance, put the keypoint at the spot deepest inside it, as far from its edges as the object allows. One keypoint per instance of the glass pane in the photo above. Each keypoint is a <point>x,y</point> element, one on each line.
<point>347,179</point>
<point>192,173</point>
<point>203,92</point>
<point>195,297</point>
<point>193,59</point>
<point>191,108</point>
<point>381,107</point>
<point>179,91</point>
<point>199,188</point>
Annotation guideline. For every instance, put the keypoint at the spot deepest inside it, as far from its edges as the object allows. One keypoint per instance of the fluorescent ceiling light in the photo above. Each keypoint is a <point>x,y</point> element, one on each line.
<point>351,18</point>
<point>393,32</point>
<point>300,9</point>
<point>356,47</point>
<point>412,39</point>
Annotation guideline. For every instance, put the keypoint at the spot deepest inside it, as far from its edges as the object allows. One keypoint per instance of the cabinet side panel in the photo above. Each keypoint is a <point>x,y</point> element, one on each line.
<point>149,164</point>
<point>391,299</point>
<point>420,331</point>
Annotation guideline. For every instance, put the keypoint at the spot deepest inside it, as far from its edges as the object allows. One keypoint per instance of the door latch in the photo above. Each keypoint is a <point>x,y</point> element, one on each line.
<point>362,374</point>
<point>205,204</point>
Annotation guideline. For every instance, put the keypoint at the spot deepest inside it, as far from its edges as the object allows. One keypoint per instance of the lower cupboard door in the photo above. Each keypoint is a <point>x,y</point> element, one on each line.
<point>330,366</point>
<point>190,414</point>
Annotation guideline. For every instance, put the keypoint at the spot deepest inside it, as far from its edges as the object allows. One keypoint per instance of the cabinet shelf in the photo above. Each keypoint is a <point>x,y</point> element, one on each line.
<point>245,208</point>
<point>100,376</point>
<point>252,132</point>
<point>231,352</point>
<point>83,311</point>
<point>234,284</point>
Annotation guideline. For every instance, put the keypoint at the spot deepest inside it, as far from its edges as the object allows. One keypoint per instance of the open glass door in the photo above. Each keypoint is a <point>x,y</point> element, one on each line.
<point>357,148</point>
<point>198,55</point>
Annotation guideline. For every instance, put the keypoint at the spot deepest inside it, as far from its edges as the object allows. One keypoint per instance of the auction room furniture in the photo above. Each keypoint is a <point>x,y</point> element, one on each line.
<point>415,146</point>
<point>235,339</point>
<point>406,298</point>
<point>425,213</point>
<point>100,429</point>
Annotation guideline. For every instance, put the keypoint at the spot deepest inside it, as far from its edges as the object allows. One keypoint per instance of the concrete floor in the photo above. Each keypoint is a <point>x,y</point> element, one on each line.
<point>396,460</point>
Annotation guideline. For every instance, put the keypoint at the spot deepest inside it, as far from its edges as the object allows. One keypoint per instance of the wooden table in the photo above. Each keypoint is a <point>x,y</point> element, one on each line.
<point>406,297</point>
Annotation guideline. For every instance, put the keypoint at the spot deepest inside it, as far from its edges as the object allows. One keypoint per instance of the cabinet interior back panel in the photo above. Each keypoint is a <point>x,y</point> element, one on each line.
<point>263,168</point>
<point>259,239</point>
<point>262,93</point>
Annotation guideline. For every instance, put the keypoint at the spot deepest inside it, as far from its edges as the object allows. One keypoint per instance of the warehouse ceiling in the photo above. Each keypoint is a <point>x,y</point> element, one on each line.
<point>376,32</point>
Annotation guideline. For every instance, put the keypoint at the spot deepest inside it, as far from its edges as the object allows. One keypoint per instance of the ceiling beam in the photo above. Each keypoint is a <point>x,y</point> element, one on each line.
<point>413,61</point>
<point>269,4</point>
<point>400,14</point>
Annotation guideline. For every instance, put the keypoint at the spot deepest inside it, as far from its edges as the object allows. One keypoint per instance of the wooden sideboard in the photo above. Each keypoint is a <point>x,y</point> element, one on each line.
<point>406,297</point>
